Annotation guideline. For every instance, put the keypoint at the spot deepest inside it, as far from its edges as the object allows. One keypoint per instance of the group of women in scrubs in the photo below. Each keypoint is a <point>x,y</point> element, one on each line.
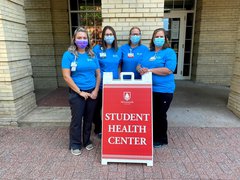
<point>83,72</point>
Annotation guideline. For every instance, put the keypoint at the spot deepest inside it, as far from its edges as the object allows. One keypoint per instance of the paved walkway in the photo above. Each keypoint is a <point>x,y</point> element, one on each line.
<point>204,143</point>
<point>192,153</point>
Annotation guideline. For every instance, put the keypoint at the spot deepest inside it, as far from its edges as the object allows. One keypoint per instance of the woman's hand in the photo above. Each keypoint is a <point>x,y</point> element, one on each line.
<point>84,94</point>
<point>143,70</point>
<point>94,94</point>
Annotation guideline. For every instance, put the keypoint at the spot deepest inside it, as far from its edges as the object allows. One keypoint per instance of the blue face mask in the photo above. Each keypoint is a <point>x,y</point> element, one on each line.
<point>159,42</point>
<point>135,39</point>
<point>109,39</point>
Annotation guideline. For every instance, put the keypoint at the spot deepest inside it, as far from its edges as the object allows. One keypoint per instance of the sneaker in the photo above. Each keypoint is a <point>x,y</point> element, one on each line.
<point>76,152</point>
<point>89,147</point>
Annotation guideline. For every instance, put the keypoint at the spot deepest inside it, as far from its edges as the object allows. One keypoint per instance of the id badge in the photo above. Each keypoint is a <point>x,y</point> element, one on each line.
<point>130,55</point>
<point>153,58</point>
<point>73,66</point>
<point>103,55</point>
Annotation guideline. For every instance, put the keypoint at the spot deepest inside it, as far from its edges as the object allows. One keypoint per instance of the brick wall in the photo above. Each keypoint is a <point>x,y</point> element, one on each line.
<point>124,14</point>
<point>16,92</point>
<point>41,43</point>
<point>215,39</point>
<point>234,96</point>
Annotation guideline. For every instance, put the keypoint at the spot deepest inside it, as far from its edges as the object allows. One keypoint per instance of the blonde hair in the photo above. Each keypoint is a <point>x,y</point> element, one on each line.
<point>73,47</point>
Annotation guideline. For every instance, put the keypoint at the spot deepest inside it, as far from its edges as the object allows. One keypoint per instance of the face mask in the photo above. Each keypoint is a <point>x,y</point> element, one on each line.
<point>81,43</point>
<point>135,39</point>
<point>109,39</point>
<point>159,42</point>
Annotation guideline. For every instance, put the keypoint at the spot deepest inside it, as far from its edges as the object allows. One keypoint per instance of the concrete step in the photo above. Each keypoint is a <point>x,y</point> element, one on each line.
<point>47,116</point>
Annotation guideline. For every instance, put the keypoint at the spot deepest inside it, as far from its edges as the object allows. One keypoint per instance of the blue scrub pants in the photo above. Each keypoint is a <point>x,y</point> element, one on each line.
<point>82,112</point>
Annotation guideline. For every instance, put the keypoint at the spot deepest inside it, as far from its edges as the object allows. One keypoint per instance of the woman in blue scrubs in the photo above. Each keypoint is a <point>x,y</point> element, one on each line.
<point>109,57</point>
<point>132,52</point>
<point>161,61</point>
<point>81,72</point>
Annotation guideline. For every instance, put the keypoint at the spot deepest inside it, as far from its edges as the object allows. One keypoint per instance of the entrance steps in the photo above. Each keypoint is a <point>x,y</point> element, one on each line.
<point>47,116</point>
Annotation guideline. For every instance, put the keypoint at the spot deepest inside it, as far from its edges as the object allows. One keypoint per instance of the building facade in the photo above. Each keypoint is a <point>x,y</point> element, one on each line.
<point>34,34</point>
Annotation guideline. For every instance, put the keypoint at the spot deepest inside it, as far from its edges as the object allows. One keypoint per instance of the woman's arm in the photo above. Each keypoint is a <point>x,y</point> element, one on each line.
<point>98,80</point>
<point>163,71</point>
<point>68,79</point>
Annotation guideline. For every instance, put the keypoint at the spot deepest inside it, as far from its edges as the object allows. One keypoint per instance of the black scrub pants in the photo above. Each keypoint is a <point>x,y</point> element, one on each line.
<point>161,103</point>
<point>81,122</point>
<point>97,119</point>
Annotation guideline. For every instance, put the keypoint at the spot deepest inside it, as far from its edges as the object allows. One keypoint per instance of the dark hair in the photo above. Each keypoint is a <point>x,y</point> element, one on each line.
<point>166,43</point>
<point>73,47</point>
<point>130,32</point>
<point>114,44</point>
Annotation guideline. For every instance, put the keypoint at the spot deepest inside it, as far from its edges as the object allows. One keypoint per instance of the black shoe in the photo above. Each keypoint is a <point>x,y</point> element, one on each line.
<point>99,135</point>
<point>159,144</point>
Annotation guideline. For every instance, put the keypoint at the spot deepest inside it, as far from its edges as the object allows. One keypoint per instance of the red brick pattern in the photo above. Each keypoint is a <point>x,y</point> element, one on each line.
<point>192,153</point>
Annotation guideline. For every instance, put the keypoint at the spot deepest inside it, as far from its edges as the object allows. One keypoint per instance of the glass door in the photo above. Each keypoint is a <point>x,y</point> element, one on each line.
<point>175,26</point>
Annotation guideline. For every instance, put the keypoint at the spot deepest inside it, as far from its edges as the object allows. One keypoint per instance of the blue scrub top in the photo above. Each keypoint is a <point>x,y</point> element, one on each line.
<point>130,62</point>
<point>108,63</point>
<point>85,75</point>
<point>163,58</point>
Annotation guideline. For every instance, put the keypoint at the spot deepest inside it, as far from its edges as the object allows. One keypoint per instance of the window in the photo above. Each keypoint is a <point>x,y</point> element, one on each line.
<point>86,13</point>
<point>179,4</point>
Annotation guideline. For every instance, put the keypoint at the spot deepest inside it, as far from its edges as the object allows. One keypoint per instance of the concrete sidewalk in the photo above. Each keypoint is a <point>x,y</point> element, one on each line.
<point>204,138</point>
<point>199,105</point>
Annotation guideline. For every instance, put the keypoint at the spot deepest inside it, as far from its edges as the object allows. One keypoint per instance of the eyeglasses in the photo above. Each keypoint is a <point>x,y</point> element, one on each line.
<point>110,34</point>
<point>135,34</point>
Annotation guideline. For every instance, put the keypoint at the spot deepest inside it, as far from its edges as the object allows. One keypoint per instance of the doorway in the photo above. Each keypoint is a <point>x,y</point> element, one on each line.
<point>179,30</point>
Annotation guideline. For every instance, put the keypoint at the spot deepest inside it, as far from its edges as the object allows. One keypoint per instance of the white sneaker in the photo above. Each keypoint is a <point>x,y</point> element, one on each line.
<point>89,147</point>
<point>76,152</point>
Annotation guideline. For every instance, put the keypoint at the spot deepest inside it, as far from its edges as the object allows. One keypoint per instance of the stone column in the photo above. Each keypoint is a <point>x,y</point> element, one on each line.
<point>41,43</point>
<point>124,14</point>
<point>16,82</point>
<point>60,24</point>
<point>234,96</point>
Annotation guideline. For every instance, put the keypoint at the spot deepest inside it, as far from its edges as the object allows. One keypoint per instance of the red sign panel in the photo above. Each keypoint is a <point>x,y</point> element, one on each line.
<point>127,122</point>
